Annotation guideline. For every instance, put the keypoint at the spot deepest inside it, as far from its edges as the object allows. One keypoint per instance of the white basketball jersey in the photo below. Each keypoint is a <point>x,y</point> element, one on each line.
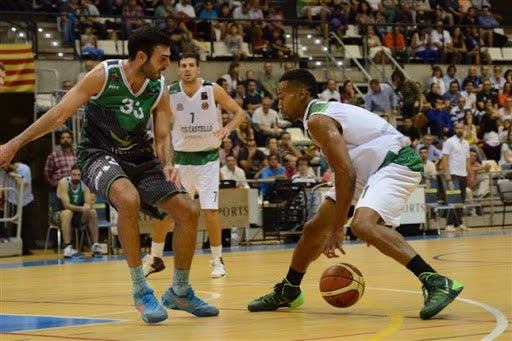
<point>195,119</point>
<point>368,137</point>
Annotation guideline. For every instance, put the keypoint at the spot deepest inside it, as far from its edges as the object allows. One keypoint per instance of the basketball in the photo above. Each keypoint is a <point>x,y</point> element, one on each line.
<point>342,285</point>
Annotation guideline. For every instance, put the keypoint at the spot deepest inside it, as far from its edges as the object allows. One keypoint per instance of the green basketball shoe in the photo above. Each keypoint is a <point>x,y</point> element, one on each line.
<point>284,295</point>
<point>438,291</point>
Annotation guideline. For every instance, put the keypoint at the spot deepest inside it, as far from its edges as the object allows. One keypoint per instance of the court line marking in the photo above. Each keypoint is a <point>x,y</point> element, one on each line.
<point>501,319</point>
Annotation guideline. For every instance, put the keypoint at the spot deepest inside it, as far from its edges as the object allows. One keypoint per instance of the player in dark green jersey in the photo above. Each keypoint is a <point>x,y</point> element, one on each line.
<point>119,165</point>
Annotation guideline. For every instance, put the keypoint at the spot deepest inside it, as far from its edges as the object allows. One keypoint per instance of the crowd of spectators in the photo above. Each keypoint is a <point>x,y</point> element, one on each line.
<point>431,31</point>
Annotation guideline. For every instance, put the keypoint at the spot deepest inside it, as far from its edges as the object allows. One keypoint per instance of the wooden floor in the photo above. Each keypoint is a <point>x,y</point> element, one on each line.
<point>45,299</point>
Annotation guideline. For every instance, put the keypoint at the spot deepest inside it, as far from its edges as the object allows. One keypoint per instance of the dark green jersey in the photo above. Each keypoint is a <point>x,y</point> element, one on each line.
<point>116,118</point>
<point>76,196</point>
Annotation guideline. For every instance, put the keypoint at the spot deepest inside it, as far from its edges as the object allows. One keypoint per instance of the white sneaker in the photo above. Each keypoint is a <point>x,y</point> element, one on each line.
<point>462,227</point>
<point>152,264</point>
<point>96,251</point>
<point>69,252</point>
<point>450,228</point>
<point>218,268</point>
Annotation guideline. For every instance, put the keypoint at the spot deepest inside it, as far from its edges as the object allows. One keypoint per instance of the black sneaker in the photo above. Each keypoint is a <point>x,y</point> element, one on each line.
<point>438,291</point>
<point>284,295</point>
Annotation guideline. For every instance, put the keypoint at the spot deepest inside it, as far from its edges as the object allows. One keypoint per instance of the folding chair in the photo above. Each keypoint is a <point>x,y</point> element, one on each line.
<point>103,211</point>
<point>505,192</point>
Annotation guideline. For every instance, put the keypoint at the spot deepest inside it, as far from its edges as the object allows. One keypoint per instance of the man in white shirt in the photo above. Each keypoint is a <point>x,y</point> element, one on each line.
<point>429,168</point>
<point>441,41</point>
<point>506,111</point>
<point>468,94</point>
<point>330,93</point>
<point>456,165</point>
<point>266,121</point>
<point>230,171</point>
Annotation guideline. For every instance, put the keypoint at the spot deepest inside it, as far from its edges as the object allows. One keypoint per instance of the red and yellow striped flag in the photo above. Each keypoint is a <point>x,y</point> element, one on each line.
<point>19,67</point>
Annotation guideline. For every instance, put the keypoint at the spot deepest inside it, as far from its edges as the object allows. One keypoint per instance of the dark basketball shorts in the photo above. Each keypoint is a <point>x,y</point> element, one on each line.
<point>100,170</point>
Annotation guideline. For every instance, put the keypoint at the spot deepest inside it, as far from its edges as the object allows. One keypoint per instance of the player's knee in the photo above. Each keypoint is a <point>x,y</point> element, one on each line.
<point>361,228</point>
<point>127,202</point>
<point>66,215</point>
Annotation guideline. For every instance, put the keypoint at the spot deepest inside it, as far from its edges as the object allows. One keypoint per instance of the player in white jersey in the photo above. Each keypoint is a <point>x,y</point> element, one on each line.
<point>366,152</point>
<point>197,134</point>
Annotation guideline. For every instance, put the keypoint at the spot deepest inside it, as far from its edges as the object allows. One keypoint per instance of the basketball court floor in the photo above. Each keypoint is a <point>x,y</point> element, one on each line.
<point>43,297</point>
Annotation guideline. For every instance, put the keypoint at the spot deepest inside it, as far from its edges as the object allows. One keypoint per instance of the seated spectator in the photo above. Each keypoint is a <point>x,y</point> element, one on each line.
<point>336,22</point>
<point>287,151</point>
<point>468,94</point>
<point>442,42</point>
<point>90,46</point>
<point>208,27</point>
<point>489,133</point>
<point>75,208</point>
<point>230,171</point>
<point>437,77</point>
<point>423,10</point>
<point>434,154</point>
<point>244,132</point>
<point>479,182</point>
<point>503,130</point>
<point>251,159</point>
<point>277,45</point>
<point>505,94</point>
<point>469,128</point>
<point>265,122</point>
<point>432,97</point>
<point>429,167</point>
<point>390,10</point>
<point>162,12</point>
<point>475,46</point>
<point>505,161</point>
<point>395,41</point>
<point>376,51</point>
<point>252,100</point>
<point>420,44</point>
<point>133,16</point>
<point>312,10</point>
<point>68,21</point>
<point>497,79</point>
<point>185,12</point>
<point>452,96</point>
<point>272,172</point>
<point>259,44</point>
<point>88,15</point>
<point>234,42</point>
<point>439,121</point>
<point>364,17</point>
<point>271,147</point>
<point>460,51</point>
<point>348,93</point>
<point>232,76</point>
<point>458,112</point>
<point>486,94</point>
<point>304,173</point>
<point>487,22</point>
<point>410,131</point>
<point>330,92</point>
<point>506,111</point>
<point>227,148</point>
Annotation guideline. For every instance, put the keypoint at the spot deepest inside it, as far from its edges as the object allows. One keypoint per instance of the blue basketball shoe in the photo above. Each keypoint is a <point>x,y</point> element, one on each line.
<point>147,304</point>
<point>189,303</point>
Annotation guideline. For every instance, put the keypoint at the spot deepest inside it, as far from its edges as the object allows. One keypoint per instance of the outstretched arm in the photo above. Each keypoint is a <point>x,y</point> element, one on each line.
<point>90,85</point>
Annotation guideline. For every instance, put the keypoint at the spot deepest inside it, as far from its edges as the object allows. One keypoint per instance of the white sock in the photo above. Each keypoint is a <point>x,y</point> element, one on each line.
<point>216,251</point>
<point>157,249</point>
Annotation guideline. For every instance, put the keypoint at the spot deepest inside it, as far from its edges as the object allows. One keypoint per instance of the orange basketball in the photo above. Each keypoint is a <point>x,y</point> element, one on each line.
<point>342,285</point>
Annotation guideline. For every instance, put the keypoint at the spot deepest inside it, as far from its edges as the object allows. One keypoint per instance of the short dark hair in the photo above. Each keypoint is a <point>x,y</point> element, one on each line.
<point>189,55</point>
<point>302,78</point>
<point>145,39</point>
<point>75,167</point>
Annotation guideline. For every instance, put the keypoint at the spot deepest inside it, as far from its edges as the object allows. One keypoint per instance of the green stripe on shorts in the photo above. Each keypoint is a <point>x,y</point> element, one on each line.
<point>195,158</point>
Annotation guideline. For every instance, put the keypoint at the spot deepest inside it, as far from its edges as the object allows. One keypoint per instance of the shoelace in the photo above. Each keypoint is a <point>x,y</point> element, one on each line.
<point>271,297</point>
<point>149,300</point>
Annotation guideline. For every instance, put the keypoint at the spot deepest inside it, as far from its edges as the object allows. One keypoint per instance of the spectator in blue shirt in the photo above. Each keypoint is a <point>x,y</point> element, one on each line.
<point>487,21</point>
<point>381,99</point>
<point>273,171</point>
<point>439,120</point>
